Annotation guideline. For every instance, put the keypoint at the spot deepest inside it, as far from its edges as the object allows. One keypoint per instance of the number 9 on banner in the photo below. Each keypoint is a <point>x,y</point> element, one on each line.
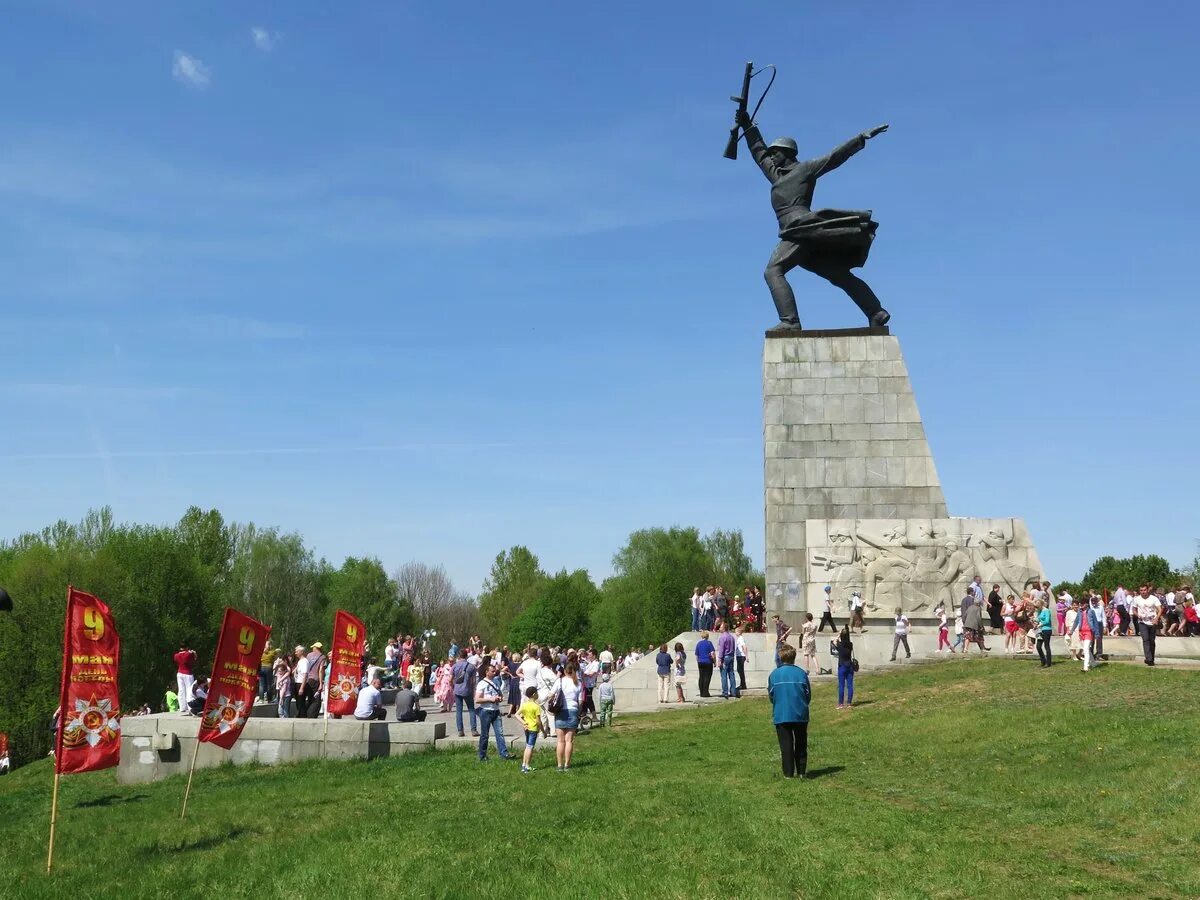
<point>93,623</point>
<point>246,641</point>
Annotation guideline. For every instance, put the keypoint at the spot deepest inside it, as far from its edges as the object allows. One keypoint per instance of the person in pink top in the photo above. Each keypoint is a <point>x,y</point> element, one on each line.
<point>185,661</point>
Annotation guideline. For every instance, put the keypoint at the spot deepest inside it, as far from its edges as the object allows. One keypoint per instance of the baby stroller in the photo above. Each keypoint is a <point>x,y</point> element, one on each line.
<point>586,709</point>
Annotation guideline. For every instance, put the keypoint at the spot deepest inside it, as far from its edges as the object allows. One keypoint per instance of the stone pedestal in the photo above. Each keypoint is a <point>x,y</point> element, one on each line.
<point>852,494</point>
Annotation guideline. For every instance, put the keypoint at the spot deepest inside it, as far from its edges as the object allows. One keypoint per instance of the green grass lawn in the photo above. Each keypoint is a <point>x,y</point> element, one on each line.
<point>970,779</point>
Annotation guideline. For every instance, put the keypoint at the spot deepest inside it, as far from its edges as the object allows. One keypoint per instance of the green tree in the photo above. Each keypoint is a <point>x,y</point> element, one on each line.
<point>731,565</point>
<point>1107,572</point>
<point>646,600</point>
<point>515,582</point>
<point>362,588</point>
<point>277,580</point>
<point>560,615</point>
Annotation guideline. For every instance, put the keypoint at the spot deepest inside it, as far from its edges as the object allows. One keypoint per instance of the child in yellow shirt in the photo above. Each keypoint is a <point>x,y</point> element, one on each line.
<point>530,716</point>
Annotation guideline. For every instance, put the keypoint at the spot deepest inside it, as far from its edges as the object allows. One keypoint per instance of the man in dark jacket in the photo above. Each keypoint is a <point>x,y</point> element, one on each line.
<point>828,242</point>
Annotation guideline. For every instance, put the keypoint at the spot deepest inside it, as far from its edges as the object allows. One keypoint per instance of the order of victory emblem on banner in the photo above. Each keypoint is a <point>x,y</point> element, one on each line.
<point>89,732</point>
<point>349,636</point>
<point>234,682</point>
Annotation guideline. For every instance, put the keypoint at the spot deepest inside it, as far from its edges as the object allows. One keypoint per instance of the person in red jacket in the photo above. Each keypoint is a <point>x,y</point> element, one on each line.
<point>185,662</point>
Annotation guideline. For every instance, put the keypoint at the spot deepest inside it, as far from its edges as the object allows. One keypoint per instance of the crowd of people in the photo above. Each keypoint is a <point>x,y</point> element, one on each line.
<point>712,607</point>
<point>1027,624</point>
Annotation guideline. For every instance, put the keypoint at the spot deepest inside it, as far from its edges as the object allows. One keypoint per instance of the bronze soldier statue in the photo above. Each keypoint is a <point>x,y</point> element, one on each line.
<point>828,242</point>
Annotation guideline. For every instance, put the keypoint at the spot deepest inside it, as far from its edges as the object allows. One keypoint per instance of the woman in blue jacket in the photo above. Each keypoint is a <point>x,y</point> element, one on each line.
<point>790,692</point>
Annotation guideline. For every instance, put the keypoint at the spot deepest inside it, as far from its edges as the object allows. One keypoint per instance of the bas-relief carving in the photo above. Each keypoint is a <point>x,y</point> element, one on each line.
<point>914,564</point>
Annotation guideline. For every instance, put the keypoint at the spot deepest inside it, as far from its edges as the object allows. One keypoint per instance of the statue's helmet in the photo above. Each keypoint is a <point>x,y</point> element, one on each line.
<point>785,143</point>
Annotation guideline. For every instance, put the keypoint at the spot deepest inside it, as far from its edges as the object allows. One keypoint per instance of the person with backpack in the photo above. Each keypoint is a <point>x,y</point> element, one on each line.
<point>464,677</point>
<point>790,692</point>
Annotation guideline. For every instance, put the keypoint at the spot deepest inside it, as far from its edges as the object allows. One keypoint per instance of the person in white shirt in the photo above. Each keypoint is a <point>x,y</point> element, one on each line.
<point>4,763</point>
<point>856,612</point>
<point>696,609</point>
<point>1148,609</point>
<point>827,611</point>
<point>742,652</point>
<point>566,719</point>
<point>901,635</point>
<point>488,694</point>
<point>370,702</point>
<point>1120,600</point>
<point>607,661</point>
<point>299,676</point>
<point>528,670</point>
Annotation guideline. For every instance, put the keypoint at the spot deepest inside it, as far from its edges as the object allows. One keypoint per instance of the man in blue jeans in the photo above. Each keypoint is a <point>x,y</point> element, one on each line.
<point>488,695</point>
<point>463,676</point>
<point>726,656</point>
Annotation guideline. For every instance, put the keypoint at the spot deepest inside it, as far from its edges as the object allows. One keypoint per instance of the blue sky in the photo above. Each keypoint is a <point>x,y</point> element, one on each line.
<point>424,281</point>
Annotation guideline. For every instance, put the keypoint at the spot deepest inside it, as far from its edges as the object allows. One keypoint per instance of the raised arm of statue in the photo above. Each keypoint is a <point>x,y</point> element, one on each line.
<point>839,155</point>
<point>758,149</point>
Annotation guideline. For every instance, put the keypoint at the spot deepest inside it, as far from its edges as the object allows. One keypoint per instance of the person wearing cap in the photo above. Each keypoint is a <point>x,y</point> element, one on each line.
<point>607,695</point>
<point>828,242</point>
<point>827,611</point>
<point>314,681</point>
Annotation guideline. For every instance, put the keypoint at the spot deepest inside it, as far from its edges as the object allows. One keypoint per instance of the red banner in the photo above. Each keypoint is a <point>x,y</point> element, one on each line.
<point>345,657</point>
<point>88,736</point>
<point>3,743</point>
<point>234,682</point>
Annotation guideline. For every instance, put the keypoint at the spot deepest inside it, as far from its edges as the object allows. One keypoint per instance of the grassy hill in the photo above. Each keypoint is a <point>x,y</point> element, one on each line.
<point>983,779</point>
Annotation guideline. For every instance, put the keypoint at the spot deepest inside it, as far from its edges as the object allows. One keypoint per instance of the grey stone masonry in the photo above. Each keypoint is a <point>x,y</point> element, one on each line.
<point>843,440</point>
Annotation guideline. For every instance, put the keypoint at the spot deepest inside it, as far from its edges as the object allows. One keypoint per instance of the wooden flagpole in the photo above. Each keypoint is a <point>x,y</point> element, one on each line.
<point>325,740</point>
<point>62,690</point>
<point>53,820</point>
<point>191,772</point>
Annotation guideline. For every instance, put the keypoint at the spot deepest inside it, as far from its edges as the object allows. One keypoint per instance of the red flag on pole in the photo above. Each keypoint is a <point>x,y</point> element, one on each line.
<point>3,743</point>
<point>345,657</point>
<point>88,736</point>
<point>234,682</point>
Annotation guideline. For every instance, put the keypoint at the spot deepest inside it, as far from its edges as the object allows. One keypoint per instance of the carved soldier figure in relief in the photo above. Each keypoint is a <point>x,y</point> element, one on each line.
<point>884,576</point>
<point>1012,576</point>
<point>956,574</point>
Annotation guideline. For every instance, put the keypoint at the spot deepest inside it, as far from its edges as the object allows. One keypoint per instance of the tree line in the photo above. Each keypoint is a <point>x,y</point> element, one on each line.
<point>170,584</point>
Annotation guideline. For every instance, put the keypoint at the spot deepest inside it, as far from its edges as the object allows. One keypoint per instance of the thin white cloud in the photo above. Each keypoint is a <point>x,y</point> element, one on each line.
<point>190,70</point>
<point>264,40</point>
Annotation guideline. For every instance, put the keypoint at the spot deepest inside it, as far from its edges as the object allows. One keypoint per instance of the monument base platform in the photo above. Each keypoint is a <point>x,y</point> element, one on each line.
<point>159,746</point>
<point>852,495</point>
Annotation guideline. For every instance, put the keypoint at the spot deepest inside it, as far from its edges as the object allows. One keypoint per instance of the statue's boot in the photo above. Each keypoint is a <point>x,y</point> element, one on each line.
<point>881,318</point>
